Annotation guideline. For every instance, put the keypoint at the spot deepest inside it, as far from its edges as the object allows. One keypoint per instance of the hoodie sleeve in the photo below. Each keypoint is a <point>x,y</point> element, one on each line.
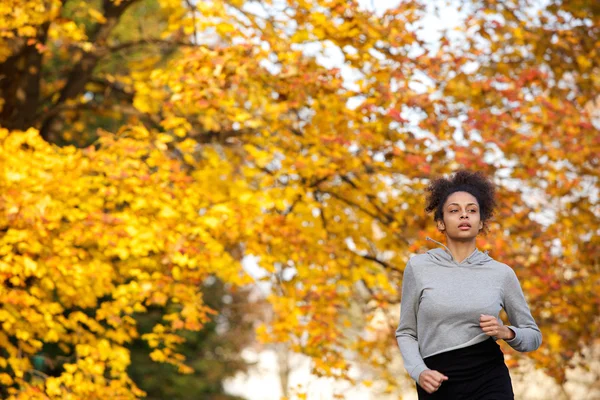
<point>406,334</point>
<point>527,334</point>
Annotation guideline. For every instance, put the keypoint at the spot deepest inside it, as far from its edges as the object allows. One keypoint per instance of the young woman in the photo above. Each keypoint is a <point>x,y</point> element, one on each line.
<point>451,300</point>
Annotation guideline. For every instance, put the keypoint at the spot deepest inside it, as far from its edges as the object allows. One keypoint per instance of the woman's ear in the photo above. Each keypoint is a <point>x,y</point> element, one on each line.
<point>441,226</point>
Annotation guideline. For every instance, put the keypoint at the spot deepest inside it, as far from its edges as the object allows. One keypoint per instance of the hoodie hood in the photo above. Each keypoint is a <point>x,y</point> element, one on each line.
<point>444,257</point>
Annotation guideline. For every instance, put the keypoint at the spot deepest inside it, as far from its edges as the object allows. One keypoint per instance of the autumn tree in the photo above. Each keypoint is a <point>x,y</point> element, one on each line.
<point>214,353</point>
<point>137,163</point>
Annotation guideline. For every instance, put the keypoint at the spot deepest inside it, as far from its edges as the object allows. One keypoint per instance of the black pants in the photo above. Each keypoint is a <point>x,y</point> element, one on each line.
<point>476,372</point>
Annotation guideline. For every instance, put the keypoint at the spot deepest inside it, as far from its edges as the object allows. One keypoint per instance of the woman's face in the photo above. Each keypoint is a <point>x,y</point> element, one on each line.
<point>462,219</point>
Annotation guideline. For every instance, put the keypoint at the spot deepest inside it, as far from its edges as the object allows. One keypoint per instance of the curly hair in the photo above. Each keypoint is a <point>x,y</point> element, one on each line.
<point>475,183</point>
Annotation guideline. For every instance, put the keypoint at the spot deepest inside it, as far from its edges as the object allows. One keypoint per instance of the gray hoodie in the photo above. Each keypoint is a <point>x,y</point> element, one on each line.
<point>442,301</point>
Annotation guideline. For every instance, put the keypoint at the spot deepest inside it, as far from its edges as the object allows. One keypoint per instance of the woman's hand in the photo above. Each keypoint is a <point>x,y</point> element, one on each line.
<point>431,380</point>
<point>492,327</point>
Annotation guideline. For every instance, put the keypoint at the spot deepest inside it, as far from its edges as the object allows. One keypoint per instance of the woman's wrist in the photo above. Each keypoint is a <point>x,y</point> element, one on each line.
<point>507,333</point>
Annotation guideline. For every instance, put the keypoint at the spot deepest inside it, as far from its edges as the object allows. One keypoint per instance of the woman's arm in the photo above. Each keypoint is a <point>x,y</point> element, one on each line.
<point>527,334</point>
<point>406,334</point>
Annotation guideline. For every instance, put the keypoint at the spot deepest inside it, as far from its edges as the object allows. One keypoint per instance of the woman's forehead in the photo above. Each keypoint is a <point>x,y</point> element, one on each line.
<point>461,198</point>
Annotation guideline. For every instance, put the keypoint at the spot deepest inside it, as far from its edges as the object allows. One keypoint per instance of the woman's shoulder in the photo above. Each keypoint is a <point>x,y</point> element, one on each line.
<point>504,269</point>
<point>418,259</point>
<point>415,264</point>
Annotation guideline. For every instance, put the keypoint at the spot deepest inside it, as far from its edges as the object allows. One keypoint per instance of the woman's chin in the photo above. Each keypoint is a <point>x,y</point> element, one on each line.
<point>463,236</point>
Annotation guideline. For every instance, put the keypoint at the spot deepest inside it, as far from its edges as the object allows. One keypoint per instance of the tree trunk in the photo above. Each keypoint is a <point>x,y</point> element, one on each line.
<point>20,84</point>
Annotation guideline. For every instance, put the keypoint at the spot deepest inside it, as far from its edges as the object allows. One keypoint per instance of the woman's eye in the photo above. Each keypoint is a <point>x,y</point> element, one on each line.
<point>453,211</point>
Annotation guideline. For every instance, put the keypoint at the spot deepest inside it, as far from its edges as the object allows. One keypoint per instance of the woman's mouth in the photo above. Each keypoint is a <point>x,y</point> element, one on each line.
<point>464,227</point>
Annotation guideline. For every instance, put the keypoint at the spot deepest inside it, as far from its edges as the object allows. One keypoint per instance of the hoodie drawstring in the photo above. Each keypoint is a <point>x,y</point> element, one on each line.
<point>435,241</point>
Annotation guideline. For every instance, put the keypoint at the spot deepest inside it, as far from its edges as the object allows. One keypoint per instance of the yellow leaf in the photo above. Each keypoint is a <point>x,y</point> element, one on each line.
<point>211,222</point>
<point>158,356</point>
<point>225,28</point>
<point>176,272</point>
<point>302,35</point>
<point>5,379</point>
<point>167,212</point>
<point>30,265</point>
<point>584,62</point>
<point>554,341</point>
<point>96,15</point>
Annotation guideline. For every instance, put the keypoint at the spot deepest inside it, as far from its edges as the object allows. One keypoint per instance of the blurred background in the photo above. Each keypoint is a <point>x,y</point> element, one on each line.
<point>217,199</point>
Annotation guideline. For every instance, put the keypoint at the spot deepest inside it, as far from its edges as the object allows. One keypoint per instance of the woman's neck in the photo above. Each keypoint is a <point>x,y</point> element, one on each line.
<point>460,250</point>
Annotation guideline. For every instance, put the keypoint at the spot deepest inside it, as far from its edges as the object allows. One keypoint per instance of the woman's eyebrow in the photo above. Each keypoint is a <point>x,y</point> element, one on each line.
<point>456,204</point>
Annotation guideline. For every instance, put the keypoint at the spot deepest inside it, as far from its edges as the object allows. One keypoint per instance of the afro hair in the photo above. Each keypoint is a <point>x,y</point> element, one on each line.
<point>475,183</point>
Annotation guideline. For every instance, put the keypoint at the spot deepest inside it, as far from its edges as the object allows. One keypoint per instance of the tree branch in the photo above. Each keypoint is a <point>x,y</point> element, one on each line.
<point>353,204</point>
<point>82,71</point>
<point>381,262</point>
<point>20,78</point>
<point>193,11</point>
<point>142,42</point>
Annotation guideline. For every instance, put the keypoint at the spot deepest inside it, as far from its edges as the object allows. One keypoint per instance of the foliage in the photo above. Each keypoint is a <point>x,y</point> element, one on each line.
<point>230,139</point>
<point>214,353</point>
